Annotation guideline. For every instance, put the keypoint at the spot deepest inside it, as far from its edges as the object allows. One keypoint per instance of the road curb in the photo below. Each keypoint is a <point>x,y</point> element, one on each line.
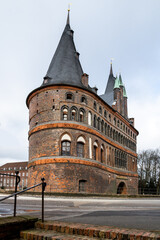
<point>101,232</point>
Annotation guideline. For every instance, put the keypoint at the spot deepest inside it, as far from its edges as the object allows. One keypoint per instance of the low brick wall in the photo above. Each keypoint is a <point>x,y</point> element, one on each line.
<point>10,227</point>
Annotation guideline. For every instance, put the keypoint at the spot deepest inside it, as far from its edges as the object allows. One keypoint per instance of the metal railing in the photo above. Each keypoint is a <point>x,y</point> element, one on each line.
<point>18,179</point>
<point>43,183</point>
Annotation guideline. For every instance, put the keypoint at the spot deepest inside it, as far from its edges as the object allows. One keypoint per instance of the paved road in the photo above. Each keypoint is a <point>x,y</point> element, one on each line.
<point>129,213</point>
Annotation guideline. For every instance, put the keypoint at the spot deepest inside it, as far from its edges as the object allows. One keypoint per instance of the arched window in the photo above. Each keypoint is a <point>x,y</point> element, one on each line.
<point>95,105</point>
<point>102,153</point>
<point>106,154</point>
<point>111,133</point>
<point>116,138</point>
<point>80,146</point>
<point>95,151</point>
<point>109,155</point>
<point>89,118</point>
<point>80,149</point>
<point>118,159</point>
<point>114,122</point>
<point>83,99</point>
<point>64,113</point>
<point>119,137</point>
<point>102,126</point>
<point>118,123</point>
<point>81,115</point>
<point>105,128</point>
<point>108,131</point>
<point>98,123</point>
<point>65,148</point>
<point>105,113</point>
<point>110,117</point>
<point>100,110</point>
<point>94,121</point>
<point>115,154</point>
<point>73,114</point>
<point>66,145</point>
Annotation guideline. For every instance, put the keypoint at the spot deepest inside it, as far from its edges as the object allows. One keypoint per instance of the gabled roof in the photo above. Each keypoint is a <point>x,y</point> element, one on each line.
<point>65,67</point>
<point>108,96</point>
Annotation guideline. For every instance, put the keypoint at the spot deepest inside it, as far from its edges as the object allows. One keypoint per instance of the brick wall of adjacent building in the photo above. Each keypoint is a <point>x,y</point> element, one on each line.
<point>8,182</point>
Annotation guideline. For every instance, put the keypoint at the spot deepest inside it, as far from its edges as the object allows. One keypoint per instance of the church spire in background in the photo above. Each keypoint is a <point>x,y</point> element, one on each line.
<point>111,70</point>
<point>68,17</point>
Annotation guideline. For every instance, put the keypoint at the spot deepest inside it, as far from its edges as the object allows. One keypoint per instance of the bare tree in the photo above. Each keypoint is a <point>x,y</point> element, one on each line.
<point>149,170</point>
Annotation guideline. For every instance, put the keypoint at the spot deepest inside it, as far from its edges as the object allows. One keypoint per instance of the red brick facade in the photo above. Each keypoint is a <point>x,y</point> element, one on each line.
<point>66,173</point>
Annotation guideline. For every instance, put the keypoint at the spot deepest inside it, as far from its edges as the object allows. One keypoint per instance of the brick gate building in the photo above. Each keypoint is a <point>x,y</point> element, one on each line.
<point>80,141</point>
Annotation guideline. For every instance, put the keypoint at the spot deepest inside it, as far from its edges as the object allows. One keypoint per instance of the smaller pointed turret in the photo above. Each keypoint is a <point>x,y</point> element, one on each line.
<point>111,70</point>
<point>124,92</point>
<point>120,80</point>
<point>108,96</point>
<point>116,84</point>
<point>68,17</point>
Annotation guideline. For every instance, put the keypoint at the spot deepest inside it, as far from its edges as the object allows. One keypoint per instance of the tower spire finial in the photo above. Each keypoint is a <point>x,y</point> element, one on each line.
<point>68,22</point>
<point>111,71</point>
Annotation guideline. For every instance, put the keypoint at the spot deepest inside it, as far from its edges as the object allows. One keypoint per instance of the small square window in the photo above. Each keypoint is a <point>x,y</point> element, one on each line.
<point>69,96</point>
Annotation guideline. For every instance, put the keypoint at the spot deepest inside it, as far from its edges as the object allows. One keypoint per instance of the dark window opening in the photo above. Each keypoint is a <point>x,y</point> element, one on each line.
<point>95,152</point>
<point>102,155</point>
<point>105,114</point>
<point>94,121</point>
<point>84,100</point>
<point>69,96</point>
<point>80,149</point>
<point>82,185</point>
<point>81,117</point>
<point>73,115</point>
<point>95,105</point>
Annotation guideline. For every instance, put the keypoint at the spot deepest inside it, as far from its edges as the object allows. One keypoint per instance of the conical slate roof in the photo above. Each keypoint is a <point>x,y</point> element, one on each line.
<point>108,96</point>
<point>65,67</point>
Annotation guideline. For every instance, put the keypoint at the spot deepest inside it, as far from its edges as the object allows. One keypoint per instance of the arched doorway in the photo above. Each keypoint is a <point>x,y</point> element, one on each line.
<point>122,189</point>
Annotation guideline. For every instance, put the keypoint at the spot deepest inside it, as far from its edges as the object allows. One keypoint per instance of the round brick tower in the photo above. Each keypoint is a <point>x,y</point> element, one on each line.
<point>76,141</point>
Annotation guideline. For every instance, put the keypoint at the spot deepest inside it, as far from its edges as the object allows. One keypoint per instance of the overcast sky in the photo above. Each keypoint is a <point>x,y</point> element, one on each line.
<point>126,30</point>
